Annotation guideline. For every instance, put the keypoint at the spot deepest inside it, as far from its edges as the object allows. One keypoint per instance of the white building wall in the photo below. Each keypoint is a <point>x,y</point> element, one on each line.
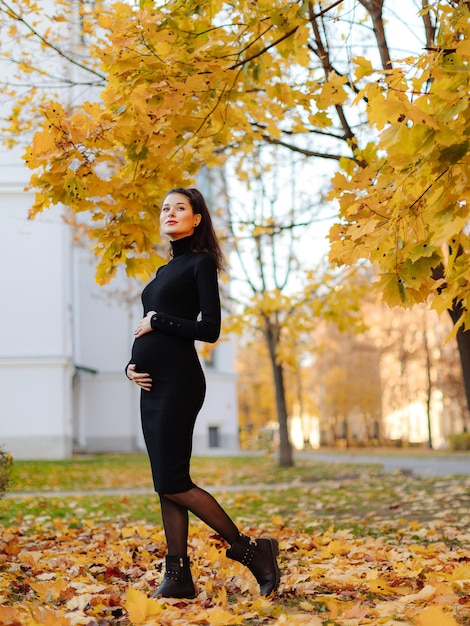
<point>105,405</point>
<point>36,363</point>
<point>219,414</point>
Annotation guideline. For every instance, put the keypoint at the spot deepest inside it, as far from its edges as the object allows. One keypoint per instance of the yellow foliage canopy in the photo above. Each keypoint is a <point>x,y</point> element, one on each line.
<point>404,202</point>
<point>176,90</point>
<point>186,84</point>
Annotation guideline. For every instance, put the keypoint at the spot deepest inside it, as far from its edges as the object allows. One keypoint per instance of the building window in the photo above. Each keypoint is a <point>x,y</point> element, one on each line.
<point>210,361</point>
<point>214,437</point>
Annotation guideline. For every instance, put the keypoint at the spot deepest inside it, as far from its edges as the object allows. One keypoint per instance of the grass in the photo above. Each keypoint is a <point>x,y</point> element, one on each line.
<point>131,471</point>
<point>311,496</point>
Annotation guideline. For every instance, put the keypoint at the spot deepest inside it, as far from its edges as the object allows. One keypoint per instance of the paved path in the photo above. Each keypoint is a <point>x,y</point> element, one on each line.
<point>425,465</point>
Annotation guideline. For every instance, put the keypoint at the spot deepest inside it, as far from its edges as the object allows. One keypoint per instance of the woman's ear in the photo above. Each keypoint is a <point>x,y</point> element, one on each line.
<point>197,219</point>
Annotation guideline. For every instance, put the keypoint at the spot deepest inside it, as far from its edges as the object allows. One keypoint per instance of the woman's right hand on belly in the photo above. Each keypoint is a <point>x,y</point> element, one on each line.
<point>140,378</point>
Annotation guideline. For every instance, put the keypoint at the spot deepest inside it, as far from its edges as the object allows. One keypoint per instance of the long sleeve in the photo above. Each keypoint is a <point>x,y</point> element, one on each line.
<point>207,326</point>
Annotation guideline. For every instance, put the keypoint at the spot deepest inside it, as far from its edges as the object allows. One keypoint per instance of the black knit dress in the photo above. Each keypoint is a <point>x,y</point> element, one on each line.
<point>185,295</point>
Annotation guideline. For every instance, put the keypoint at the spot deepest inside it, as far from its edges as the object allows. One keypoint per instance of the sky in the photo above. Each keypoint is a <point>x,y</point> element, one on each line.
<point>312,178</point>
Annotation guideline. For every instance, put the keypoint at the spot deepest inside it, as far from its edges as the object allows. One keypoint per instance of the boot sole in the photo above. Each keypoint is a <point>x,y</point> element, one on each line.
<point>274,544</point>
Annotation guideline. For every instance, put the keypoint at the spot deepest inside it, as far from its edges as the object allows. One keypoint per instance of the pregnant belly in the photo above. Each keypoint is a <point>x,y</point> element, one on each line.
<point>157,351</point>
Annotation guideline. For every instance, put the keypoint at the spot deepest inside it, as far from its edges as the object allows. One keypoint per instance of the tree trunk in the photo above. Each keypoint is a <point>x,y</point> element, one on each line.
<point>463,342</point>
<point>463,339</point>
<point>285,446</point>
<point>429,382</point>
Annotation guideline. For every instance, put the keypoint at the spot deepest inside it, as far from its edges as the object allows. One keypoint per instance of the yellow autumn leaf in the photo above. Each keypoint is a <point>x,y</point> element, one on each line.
<point>218,616</point>
<point>11,615</point>
<point>43,142</point>
<point>332,91</point>
<point>334,548</point>
<point>380,585</point>
<point>299,620</point>
<point>463,47</point>
<point>49,588</point>
<point>140,607</point>
<point>43,616</point>
<point>383,109</point>
<point>337,607</point>
<point>461,573</point>
<point>363,67</point>
<point>435,616</point>
<point>135,531</point>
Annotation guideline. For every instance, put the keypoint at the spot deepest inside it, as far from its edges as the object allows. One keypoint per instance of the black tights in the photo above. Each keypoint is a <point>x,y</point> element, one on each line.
<point>175,507</point>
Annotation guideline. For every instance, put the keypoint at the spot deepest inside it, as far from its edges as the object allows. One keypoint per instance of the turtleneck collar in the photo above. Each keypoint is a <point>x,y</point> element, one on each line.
<point>181,246</point>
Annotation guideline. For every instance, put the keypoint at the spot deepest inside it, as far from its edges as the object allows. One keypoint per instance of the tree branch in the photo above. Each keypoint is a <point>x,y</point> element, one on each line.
<point>313,131</point>
<point>16,16</point>
<point>253,41</point>
<point>304,151</point>
<point>428,188</point>
<point>261,52</point>
<point>374,8</point>
<point>324,57</point>
<point>429,27</point>
<point>234,243</point>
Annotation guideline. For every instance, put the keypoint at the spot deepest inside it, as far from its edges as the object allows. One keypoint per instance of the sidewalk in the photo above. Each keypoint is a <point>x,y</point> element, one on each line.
<point>425,465</point>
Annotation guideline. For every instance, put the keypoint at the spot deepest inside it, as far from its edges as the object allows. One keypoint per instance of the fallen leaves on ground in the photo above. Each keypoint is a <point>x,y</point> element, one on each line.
<point>98,573</point>
<point>358,548</point>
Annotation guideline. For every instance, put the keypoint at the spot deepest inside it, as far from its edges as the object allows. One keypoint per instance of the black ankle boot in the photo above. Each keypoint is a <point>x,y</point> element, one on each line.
<point>259,555</point>
<point>178,582</point>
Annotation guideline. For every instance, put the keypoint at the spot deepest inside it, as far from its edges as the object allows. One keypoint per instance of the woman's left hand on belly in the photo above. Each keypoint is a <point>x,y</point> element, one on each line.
<point>140,378</point>
<point>144,326</point>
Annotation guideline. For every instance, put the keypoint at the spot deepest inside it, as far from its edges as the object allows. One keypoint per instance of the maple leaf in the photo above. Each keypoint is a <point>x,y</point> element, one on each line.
<point>140,607</point>
<point>435,615</point>
<point>43,616</point>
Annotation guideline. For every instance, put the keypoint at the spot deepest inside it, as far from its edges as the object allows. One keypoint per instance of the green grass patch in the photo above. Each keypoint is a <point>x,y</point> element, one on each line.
<point>310,497</point>
<point>132,471</point>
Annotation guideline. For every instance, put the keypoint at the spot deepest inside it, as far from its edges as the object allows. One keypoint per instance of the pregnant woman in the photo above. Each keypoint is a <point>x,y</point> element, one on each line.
<point>181,304</point>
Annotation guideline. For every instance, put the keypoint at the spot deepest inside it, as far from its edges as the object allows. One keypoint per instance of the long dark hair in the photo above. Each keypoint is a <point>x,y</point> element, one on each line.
<point>204,238</point>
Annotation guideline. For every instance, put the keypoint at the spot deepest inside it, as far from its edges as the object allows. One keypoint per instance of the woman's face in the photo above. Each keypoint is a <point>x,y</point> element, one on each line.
<point>177,219</point>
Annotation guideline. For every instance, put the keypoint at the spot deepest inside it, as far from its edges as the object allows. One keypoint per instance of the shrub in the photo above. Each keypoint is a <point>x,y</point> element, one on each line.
<point>459,442</point>
<point>6,461</point>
